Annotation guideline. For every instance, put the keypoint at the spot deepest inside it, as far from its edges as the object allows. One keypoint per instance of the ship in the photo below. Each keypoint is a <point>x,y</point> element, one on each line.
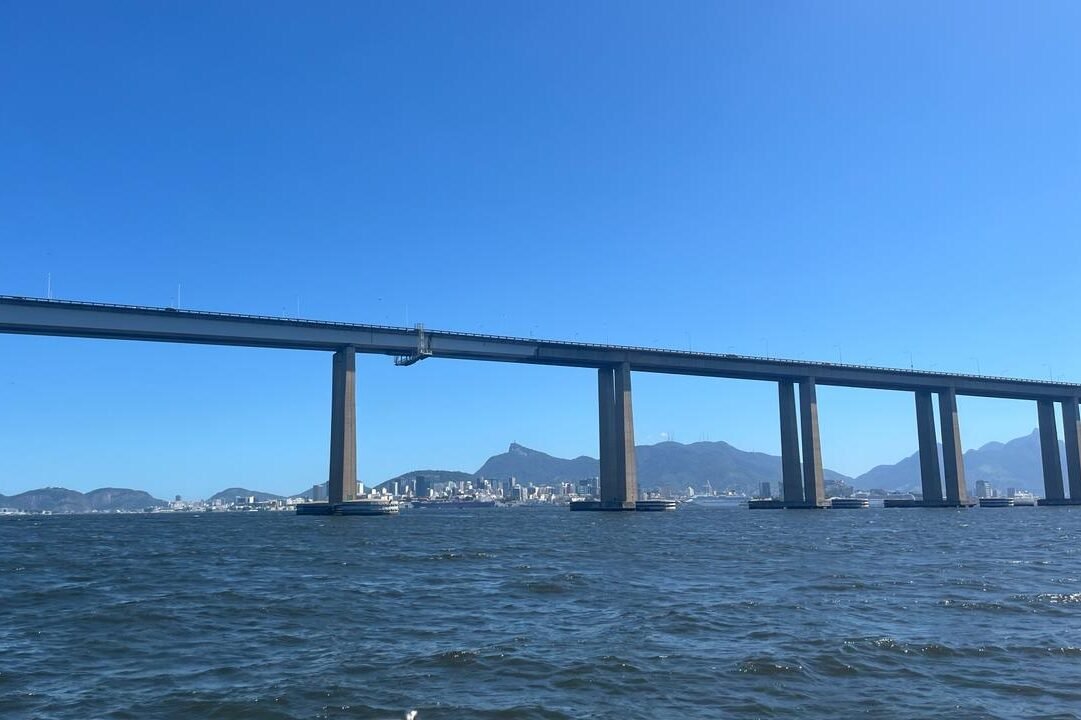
<point>1025,498</point>
<point>714,501</point>
<point>462,503</point>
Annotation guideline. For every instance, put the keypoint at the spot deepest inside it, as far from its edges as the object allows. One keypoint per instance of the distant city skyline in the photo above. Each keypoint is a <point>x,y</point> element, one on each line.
<point>889,185</point>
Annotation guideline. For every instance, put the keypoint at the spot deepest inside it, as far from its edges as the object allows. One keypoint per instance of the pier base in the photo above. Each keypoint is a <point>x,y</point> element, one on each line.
<point>773,504</point>
<point>905,503</point>
<point>353,507</point>
<point>1057,502</point>
<point>639,506</point>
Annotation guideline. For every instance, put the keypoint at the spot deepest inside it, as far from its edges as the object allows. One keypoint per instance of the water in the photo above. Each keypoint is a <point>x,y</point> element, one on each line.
<point>543,613</point>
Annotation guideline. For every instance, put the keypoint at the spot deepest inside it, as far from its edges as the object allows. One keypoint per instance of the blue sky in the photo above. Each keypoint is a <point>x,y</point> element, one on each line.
<point>886,183</point>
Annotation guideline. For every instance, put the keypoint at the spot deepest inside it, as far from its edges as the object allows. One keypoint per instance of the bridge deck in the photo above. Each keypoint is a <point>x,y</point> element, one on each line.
<point>33,316</point>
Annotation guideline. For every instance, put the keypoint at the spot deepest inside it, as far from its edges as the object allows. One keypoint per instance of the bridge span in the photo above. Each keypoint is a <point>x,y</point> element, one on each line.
<point>801,460</point>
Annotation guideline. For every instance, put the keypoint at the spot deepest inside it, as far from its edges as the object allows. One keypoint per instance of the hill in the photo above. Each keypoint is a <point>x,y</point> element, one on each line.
<point>436,475</point>
<point>228,495</point>
<point>668,465</point>
<point>62,500</point>
<point>1015,464</point>
<point>676,466</point>
<point>533,466</point>
<point>111,499</point>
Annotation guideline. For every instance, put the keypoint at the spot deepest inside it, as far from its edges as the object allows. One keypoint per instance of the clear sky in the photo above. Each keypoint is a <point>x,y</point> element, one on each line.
<point>888,183</point>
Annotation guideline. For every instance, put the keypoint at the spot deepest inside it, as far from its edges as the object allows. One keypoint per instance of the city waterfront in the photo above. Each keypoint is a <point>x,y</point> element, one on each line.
<point>541,613</point>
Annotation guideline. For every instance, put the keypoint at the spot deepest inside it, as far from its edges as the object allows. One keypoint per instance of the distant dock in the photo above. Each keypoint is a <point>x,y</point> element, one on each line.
<point>352,507</point>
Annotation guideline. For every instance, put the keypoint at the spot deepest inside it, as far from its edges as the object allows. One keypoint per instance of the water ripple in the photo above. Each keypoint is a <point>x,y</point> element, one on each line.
<point>542,614</point>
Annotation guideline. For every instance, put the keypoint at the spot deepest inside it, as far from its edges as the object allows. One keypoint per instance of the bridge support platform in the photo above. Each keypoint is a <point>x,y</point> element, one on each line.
<point>377,506</point>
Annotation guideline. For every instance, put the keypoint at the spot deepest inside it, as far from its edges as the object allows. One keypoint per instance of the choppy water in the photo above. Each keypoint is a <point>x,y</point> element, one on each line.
<point>527,613</point>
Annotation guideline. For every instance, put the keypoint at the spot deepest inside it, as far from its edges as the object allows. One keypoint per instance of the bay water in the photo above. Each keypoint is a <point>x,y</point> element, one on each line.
<point>543,613</point>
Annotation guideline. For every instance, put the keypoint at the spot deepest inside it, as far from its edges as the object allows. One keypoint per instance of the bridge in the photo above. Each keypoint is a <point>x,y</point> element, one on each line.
<point>801,457</point>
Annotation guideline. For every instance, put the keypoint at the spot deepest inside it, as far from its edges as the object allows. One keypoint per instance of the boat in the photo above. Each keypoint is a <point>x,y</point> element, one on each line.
<point>463,503</point>
<point>1024,498</point>
<point>897,499</point>
<point>849,503</point>
<point>715,501</point>
<point>655,505</point>
<point>364,506</point>
<point>996,502</point>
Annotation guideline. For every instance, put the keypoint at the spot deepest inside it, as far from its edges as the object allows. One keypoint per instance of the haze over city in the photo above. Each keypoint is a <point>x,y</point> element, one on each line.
<point>807,184</point>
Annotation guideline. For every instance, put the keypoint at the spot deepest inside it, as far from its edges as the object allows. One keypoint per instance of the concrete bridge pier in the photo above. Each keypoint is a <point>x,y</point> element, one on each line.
<point>930,475</point>
<point>626,462</point>
<point>791,474</point>
<point>1071,431</point>
<point>342,485</point>
<point>952,460</point>
<point>802,483</point>
<point>1049,454</point>
<point>619,470</point>
<point>814,490</point>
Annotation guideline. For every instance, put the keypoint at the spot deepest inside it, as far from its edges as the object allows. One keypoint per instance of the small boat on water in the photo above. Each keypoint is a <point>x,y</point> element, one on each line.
<point>849,503</point>
<point>462,503</point>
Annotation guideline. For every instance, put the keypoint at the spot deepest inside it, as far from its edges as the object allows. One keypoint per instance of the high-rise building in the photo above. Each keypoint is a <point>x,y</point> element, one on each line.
<point>423,487</point>
<point>764,490</point>
<point>984,489</point>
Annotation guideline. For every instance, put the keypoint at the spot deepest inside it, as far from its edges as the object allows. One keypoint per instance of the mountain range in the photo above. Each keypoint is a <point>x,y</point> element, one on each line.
<point>62,500</point>
<point>667,465</point>
<point>1016,463</point>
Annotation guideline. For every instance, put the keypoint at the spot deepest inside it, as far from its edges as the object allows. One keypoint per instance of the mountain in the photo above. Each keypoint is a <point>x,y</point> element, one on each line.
<point>435,475</point>
<point>108,499</point>
<point>229,495</point>
<point>667,465</point>
<point>62,500</point>
<point>533,466</point>
<point>1016,463</point>
<point>676,466</point>
<point>903,476</point>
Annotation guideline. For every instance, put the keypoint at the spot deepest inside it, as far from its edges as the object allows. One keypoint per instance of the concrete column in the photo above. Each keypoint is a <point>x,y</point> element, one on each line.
<point>814,490</point>
<point>1071,431</point>
<point>1052,462</point>
<point>791,480</point>
<point>342,485</point>
<point>626,463</point>
<point>606,413</point>
<point>952,461</point>
<point>930,476</point>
